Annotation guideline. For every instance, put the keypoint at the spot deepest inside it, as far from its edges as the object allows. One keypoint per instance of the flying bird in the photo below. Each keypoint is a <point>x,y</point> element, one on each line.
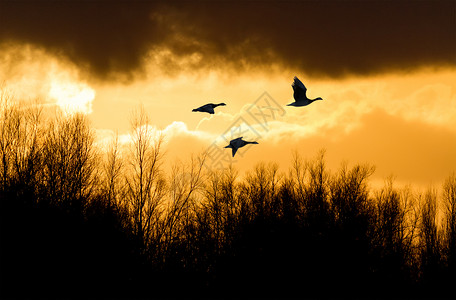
<point>300,94</point>
<point>238,143</point>
<point>208,108</point>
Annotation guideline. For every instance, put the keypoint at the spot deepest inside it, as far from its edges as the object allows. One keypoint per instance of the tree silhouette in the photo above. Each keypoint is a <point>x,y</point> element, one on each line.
<point>69,161</point>
<point>145,182</point>
<point>78,221</point>
<point>449,200</point>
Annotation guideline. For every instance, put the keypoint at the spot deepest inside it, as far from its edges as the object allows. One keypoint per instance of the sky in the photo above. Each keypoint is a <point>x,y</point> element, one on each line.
<point>385,69</point>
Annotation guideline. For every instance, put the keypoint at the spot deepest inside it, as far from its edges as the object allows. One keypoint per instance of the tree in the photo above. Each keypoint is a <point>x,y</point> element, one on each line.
<point>430,240</point>
<point>20,128</point>
<point>179,214</point>
<point>69,161</point>
<point>310,180</point>
<point>145,183</point>
<point>262,189</point>
<point>449,200</point>
<point>393,235</point>
<point>349,194</point>
<point>112,171</point>
<point>352,215</point>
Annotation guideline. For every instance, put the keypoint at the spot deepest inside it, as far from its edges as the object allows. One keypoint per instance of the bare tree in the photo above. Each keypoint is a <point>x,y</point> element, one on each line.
<point>145,183</point>
<point>230,197</point>
<point>349,192</point>
<point>262,187</point>
<point>69,163</point>
<point>221,209</point>
<point>394,231</point>
<point>430,234</point>
<point>20,143</point>
<point>316,190</point>
<point>449,200</point>
<point>112,168</point>
<point>9,116</point>
<point>310,180</point>
<point>28,145</point>
<point>298,178</point>
<point>389,216</point>
<point>184,182</point>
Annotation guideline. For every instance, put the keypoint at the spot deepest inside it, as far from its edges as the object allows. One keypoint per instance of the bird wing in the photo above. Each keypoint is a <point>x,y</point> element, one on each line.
<point>299,90</point>
<point>233,151</point>
<point>235,144</point>
<point>209,108</point>
<point>236,140</point>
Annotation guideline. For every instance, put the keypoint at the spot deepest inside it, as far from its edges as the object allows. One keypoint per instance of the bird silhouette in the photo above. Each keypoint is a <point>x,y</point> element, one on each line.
<point>208,108</point>
<point>238,143</point>
<point>299,94</point>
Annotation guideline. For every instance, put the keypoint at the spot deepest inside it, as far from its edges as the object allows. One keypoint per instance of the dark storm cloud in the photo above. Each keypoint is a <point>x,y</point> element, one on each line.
<point>330,37</point>
<point>105,35</point>
<point>320,37</point>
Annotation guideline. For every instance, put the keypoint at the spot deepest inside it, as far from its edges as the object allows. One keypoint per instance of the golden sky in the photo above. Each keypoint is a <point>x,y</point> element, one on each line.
<point>385,69</point>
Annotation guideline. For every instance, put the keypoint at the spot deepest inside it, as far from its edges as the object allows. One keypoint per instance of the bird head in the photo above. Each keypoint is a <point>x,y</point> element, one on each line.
<point>319,98</point>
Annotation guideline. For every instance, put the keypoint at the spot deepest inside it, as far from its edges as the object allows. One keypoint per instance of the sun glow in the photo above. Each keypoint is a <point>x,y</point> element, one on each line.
<point>30,72</point>
<point>72,97</point>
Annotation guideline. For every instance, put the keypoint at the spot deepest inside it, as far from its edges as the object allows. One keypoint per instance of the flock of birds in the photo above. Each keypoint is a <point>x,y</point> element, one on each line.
<point>299,94</point>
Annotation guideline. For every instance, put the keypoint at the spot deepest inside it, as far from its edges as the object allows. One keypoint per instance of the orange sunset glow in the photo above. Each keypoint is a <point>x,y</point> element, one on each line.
<point>133,71</point>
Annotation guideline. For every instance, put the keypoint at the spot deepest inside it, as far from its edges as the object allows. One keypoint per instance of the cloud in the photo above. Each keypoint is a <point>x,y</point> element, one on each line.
<point>33,74</point>
<point>432,103</point>
<point>104,36</point>
<point>72,97</point>
<point>425,96</point>
<point>26,70</point>
<point>178,128</point>
<point>322,38</point>
<point>175,130</point>
<point>415,150</point>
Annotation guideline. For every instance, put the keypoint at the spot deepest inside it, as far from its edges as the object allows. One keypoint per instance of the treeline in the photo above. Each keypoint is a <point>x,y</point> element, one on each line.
<point>80,221</point>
